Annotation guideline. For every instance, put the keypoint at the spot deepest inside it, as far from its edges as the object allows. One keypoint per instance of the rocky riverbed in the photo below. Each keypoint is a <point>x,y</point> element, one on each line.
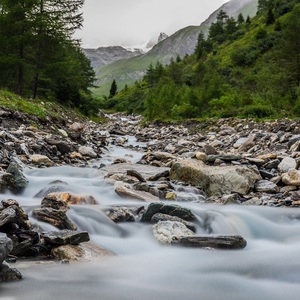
<point>226,161</point>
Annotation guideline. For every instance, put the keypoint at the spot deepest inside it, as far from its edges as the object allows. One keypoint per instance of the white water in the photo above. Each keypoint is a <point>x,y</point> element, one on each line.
<point>268,268</point>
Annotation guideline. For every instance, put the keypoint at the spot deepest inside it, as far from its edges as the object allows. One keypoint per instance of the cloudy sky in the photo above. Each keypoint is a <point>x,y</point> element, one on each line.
<point>135,22</point>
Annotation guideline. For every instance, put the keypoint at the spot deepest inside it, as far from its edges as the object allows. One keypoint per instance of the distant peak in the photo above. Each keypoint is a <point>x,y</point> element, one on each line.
<point>162,37</point>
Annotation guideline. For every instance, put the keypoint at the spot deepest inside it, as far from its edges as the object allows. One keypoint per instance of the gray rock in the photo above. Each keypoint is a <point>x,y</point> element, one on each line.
<point>212,241</point>
<point>164,217</point>
<point>20,180</point>
<point>172,210</point>
<point>286,164</point>
<point>215,180</point>
<point>121,214</point>
<point>6,246</point>
<point>224,157</point>
<point>166,231</point>
<point>65,237</point>
<point>8,273</point>
<point>55,217</point>
<point>266,186</point>
<point>87,151</point>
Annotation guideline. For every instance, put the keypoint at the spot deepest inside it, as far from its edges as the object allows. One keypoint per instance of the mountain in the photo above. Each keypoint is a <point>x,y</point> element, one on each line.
<point>127,71</point>
<point>106,55</point>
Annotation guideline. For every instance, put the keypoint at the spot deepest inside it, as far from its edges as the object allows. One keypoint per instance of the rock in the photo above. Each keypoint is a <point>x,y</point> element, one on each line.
<point>215,180</point>
<point>6,246</point>
<point>8,215</point>
<point>171,196</point>
<point>55,188</point>
<point>8,273</point>
<point>61,200</point>
<point>292,177</point>
<point>166,231</point>
<point>63,133</point>
<point>200,156</point>
<point>163,217</point>
<point>224,157</point>
<point>124,191</point>
<point>87,151</point>
<point>65,237</point>
<point>160,175</point>
<point>7,181</point>
<point>286,164</point>
<point>266,186</point>
<point>61,146</point>
<point>210,150</point>
<point>83,252</point>
<point>121,214</point>
<point>212,241</point>
<point>136,174</point>
<point>40,160</point>
<point>20,180</point>
<point>172,210</point>
<point>55,217</point>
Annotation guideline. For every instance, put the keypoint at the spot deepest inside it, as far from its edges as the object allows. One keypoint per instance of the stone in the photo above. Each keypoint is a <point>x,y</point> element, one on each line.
<point>61,200</point>
<point>39,160</point>
<point>61,146</point>
<point>8,215</point>
<point>7,273</point>
<point>55,217</point>
<point>266,186</point>
<point>55,188</point>
<point>6,246</point>
<point>215,180</point>
<point>210,150</point>
<point>7,181</point>
<point>63,133</point>
<point>65,237</point>
<point>172,210</point>
<point>200,155</point>
<point>87,151</point>
<point>124,191</point>
<point>212,241</point>
<point>120,214</point>
<point>292,177</point>
<point>225,157</point>
<point>136,174</point>
<point>166,231</point>
<point>20,180</point>
<point>163,217</point>
<point>84,252</point>
<point>171,196</point>
<point>286,164</point>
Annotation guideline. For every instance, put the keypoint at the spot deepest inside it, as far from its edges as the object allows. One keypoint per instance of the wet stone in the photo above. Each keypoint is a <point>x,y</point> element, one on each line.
<point>212,241</point>
<point>172,210</point>
<point>65,237</point>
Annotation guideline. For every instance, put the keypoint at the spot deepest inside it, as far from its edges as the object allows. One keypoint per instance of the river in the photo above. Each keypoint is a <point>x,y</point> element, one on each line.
<point>268,268</point>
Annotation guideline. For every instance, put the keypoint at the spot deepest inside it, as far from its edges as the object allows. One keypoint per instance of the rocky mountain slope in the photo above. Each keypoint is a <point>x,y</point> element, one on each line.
<point>180,43</point>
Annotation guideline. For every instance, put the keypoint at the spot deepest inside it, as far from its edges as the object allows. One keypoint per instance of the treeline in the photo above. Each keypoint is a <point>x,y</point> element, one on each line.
<point>39,57</point>
<point>244,67</point>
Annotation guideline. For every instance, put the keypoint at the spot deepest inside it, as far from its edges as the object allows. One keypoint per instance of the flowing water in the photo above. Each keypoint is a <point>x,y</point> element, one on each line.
<point>268,268</point>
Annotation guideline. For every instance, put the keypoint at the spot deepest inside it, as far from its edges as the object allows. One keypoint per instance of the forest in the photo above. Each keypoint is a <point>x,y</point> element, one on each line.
<point>243,68</point>
<point>39,57</point>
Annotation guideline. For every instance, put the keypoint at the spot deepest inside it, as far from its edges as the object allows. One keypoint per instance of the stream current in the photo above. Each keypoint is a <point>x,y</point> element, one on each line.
<point>268,268</point>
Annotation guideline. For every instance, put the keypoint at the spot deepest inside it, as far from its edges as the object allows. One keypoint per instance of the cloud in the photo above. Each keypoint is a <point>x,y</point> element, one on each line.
<point>131,22</point>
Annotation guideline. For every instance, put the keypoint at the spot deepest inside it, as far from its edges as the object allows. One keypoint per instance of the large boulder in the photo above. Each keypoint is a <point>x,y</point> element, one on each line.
<point>6,246</point>
<point>215,180</point>
<point>65,237</point>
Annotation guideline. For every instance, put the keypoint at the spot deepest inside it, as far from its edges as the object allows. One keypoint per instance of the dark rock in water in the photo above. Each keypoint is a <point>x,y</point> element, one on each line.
<point>52,201</point>
<point>173,210</point>
<point>164,174</point>
<point>51,189</point>
<point>20,180</point>
<point>164,217</point>
<point>213,241</point>
<point>8,273</point>
<point>121,214</point>
<point>65,237</point>
<point>136,174</point>
<point>7,216</point>
<point>7,181</point>
<point>55,217</point>
<point>6,246</point>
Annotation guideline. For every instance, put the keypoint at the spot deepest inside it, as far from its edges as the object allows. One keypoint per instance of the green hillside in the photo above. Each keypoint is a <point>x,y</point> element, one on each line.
<point>245,68</point>
<point>183,42</point>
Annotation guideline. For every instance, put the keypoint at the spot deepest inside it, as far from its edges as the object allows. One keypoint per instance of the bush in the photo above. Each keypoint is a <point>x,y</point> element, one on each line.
<point>258,111</point>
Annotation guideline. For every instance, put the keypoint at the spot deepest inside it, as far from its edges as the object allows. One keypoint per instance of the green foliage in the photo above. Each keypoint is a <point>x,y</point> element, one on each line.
<point>113,89</point>
<point>243,68</point>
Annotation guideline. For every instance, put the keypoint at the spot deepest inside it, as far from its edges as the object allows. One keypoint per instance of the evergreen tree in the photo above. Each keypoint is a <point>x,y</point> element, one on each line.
<point>113,89</point>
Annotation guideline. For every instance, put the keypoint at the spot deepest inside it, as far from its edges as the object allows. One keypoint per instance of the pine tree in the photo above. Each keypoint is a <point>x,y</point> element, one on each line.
<point>113,89</point>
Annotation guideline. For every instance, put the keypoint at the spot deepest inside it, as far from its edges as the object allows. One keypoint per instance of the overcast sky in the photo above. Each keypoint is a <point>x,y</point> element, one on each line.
<point>135,22</point>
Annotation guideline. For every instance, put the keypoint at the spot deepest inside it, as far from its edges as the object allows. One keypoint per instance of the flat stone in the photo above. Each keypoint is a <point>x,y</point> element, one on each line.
<point>266,186</point>
<point>212,241</point>
<point>65,237</point>
<point>292,177</point>
<point>87,151</point>
<point>41,160</point>
<point>172,210</point>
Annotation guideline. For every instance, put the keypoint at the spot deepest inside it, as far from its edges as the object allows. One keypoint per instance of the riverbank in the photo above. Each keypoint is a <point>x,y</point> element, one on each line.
<point>228,161</point>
